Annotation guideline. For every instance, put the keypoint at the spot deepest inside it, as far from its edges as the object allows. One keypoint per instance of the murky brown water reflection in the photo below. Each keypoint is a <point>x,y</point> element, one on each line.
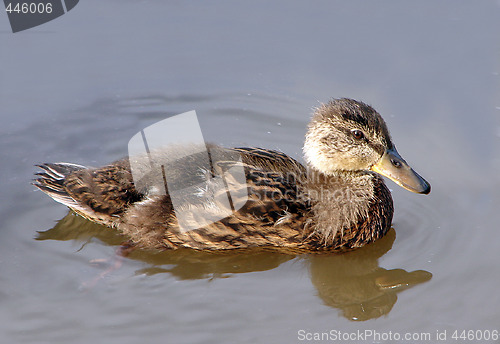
<point>352,281</point>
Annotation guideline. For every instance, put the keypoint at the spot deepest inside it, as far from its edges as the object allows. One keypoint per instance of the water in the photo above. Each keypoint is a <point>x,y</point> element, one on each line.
<point>76,89</point>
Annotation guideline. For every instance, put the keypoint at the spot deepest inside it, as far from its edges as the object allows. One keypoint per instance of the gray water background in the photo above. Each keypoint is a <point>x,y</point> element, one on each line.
<point>77,88</point>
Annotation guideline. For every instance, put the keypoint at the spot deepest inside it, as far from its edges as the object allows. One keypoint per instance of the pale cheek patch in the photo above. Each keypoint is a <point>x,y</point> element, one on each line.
<point>320,157</point>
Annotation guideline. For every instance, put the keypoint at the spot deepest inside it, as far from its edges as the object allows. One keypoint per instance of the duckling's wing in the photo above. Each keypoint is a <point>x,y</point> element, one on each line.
<point>273,211</point>
<point>104,194</point>
<point>270,160</point>
<point>274,182</point>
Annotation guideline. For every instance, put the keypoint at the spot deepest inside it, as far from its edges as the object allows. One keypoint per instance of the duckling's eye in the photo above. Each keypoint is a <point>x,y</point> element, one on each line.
<point>358,134</point>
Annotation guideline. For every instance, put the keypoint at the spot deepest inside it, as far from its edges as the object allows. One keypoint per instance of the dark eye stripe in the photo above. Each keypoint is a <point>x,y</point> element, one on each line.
<point>377,148</point>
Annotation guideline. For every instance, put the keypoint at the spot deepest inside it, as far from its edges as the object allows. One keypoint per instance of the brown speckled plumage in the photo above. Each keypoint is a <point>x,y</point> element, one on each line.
<point>335,202</point>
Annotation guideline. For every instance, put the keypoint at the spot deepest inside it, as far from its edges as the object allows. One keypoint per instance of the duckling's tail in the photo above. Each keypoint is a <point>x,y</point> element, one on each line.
<point>100,195</point>
<point>52,181</point>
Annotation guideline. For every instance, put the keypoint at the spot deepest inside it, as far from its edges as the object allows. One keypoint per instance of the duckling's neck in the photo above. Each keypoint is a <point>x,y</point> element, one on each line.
<point>338,201</point>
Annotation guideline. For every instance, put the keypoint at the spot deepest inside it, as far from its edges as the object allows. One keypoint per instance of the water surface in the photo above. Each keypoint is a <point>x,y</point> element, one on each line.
<point>76,89</point>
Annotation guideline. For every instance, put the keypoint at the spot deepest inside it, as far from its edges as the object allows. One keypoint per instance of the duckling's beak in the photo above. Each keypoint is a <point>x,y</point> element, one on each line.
<point>394,167</point>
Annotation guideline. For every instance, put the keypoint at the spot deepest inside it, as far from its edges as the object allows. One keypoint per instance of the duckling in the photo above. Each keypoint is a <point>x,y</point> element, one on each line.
<point>337,201</point>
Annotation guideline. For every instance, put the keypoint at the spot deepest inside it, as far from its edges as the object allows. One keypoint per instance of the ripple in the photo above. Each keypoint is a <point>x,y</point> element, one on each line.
<point>418,222</point>
<point>228,119</point>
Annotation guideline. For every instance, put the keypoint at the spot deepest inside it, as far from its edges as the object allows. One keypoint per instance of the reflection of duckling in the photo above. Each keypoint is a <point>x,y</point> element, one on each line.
<point>339,201</point>
<point>354,282</point>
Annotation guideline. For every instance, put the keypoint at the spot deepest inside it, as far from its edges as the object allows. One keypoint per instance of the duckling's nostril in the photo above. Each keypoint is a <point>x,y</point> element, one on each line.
<point>396,163</point>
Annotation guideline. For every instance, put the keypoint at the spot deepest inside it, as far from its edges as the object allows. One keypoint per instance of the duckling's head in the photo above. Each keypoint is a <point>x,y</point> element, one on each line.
<point>346,135</point>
